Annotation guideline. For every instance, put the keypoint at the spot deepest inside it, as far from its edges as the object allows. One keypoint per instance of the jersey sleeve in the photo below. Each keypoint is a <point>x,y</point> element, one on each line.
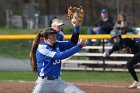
<point>67,53</point>
<point>43,50</point>
<point>64,45</point>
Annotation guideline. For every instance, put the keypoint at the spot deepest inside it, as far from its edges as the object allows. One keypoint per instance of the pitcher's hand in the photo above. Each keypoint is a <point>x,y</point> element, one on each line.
<point>83,42</point>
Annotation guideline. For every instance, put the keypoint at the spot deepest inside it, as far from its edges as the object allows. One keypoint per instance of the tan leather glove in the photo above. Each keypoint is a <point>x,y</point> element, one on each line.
<point>76,15</point>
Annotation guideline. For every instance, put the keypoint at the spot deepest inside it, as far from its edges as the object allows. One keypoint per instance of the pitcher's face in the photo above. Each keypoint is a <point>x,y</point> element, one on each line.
<point>52,38</point>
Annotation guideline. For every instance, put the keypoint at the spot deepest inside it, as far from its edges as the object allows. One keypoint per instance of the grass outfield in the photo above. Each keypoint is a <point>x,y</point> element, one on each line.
<point>71,76</point>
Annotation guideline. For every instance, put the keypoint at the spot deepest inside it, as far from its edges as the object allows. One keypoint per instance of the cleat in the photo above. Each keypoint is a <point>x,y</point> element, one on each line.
<point>135,84</point>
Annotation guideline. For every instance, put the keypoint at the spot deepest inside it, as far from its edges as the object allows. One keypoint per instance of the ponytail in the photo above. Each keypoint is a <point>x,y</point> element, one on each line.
<point>36,41</point>
<point>32,54</point>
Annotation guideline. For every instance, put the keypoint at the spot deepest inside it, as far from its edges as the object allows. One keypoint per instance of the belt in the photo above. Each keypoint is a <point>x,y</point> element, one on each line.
<point>49,77</point>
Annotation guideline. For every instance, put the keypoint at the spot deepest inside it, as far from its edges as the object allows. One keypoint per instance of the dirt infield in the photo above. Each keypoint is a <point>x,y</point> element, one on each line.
<point>89,87</point>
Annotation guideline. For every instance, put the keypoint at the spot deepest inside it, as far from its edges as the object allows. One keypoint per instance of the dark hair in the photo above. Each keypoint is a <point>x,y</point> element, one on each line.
<point>48,32</point>
<point>123,14</point>
<point>42,34</point>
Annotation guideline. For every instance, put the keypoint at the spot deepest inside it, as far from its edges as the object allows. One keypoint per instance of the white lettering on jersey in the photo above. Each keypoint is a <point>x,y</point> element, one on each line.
<point>56,62</point>
<point>42,71</point>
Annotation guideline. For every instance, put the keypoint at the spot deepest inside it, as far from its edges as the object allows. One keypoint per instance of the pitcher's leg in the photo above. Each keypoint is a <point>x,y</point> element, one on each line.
<point>42,86</point>
<point>73,89</point>
<point>64,87</point>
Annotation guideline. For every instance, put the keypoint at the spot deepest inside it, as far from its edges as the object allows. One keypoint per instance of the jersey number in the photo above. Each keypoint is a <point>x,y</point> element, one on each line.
<point>56,62</point>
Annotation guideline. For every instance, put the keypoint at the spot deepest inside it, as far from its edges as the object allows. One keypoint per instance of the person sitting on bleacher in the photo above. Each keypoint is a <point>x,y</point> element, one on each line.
<point>123,25</point>
<point>134,48</point>
<point>102,26</point>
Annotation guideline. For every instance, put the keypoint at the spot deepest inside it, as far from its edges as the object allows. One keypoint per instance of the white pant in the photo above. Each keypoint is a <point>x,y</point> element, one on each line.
<point>54,86</point>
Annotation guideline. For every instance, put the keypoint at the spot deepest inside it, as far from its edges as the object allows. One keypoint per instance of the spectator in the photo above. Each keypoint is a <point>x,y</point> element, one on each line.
<point>57,25</point>
<point>50,19</point>
<point>102,26</point>
<point>122,24</point>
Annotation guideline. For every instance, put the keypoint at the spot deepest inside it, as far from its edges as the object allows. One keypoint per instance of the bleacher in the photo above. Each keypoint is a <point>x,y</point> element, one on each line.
<point>86,60</point>
<point>95,61</point>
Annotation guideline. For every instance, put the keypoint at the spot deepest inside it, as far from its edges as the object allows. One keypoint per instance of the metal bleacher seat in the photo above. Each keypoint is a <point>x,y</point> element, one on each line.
<point>101,62</point>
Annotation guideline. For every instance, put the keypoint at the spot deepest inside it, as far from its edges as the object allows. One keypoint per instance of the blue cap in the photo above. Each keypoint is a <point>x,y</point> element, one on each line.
<point>104,11</point>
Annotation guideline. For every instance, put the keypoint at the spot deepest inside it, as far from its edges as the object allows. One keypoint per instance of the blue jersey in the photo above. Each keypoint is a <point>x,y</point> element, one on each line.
<point>46,64</point>
<point>49,57</point>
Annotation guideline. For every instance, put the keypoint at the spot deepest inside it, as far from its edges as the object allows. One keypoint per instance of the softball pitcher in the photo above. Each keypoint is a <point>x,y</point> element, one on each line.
<point>46,59</point>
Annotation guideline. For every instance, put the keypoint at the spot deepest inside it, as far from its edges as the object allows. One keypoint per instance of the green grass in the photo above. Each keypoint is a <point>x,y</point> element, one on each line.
<point>69,29</point>
<point>96,76</point>
<point>15,75</point>
<point>12,31</point>
<point>15,49</point>
<point>71,76</point>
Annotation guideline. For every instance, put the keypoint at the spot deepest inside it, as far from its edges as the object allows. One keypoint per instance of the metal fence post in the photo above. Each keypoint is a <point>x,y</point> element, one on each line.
<point>103,50</point>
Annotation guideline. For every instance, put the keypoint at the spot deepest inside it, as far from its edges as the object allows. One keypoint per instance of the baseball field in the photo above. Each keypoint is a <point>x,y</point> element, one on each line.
<point>23,82</point>
<point>93,28</point>
<point>91,82</point>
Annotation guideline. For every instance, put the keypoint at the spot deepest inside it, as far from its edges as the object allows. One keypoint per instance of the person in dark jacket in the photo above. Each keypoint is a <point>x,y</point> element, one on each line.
<point>134,48</point>
<point>102,26</point>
